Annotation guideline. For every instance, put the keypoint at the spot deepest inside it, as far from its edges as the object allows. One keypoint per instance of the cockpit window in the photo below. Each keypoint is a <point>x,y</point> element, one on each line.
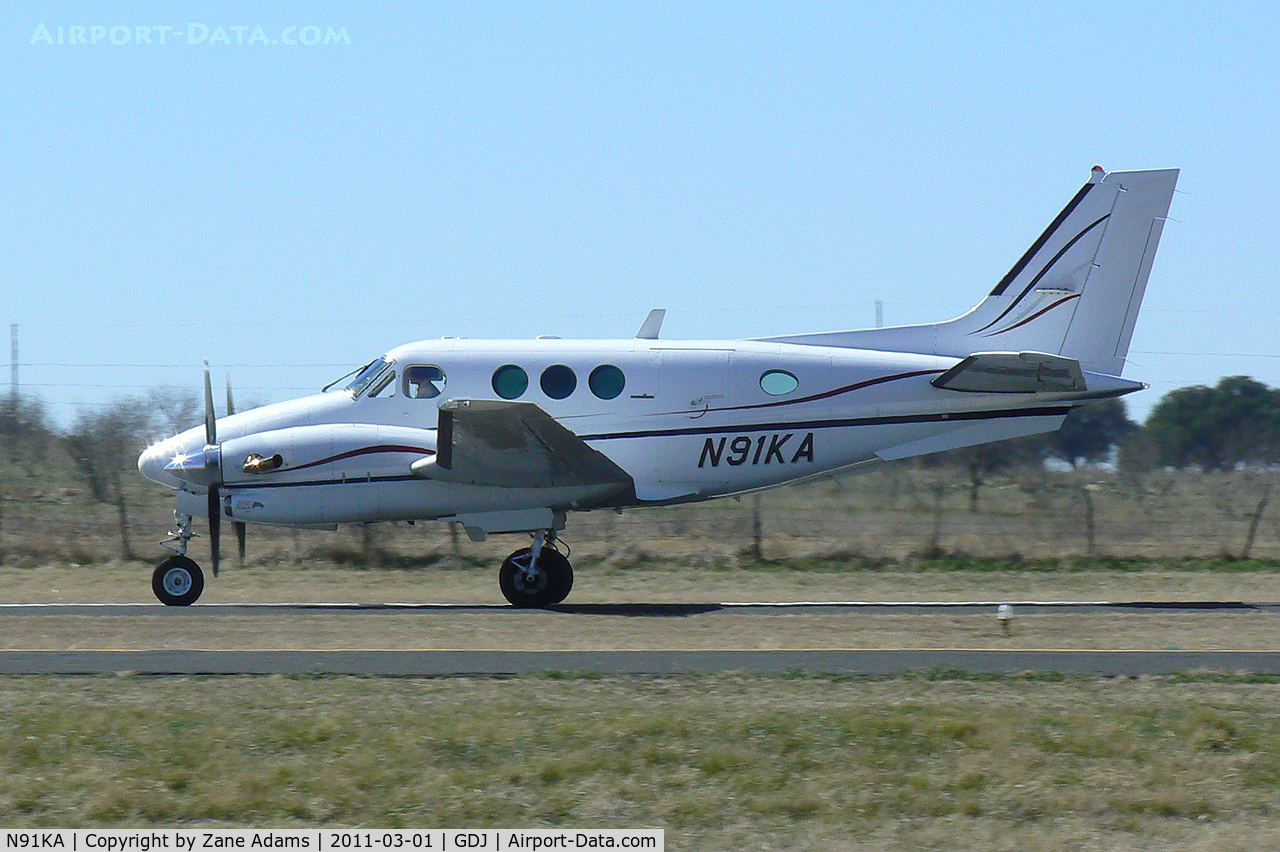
<point>386,382</point>
<point>366,377</point>
<point>424,382</point>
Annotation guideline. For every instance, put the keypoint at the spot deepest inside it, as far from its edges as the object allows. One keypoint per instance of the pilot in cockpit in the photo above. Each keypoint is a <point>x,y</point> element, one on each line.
<point>423,382</point>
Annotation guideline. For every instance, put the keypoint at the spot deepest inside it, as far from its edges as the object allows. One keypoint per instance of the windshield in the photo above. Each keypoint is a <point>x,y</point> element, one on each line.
<point>366,376</point>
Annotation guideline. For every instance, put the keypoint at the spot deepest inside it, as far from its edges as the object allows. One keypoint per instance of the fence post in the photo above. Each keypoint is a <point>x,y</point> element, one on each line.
<point>1253,522</point>
<point>757,536</point>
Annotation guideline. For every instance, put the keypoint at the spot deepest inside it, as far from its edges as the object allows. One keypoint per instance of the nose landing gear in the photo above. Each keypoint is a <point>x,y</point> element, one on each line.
<point>537,576</point>
<point>178,581</point>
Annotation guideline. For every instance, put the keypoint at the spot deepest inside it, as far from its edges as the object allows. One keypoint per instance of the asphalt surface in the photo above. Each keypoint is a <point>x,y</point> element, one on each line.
<point>462,662</point>
<point>433,663</point>
<point>639,610</point>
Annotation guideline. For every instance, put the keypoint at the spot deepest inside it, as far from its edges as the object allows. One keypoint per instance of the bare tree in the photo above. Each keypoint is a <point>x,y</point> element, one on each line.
<point>105,444</point>
<point>26,433</point>
<point>174,409</point>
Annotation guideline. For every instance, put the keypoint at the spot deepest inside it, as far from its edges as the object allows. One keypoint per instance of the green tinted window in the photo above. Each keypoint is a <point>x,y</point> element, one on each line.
<point>606,381</point>
<point>510,381</point>
<point>778,382</point>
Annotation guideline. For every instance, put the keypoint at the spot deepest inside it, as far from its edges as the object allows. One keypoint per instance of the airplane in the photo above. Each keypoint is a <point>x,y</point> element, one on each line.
<point>512,436</point>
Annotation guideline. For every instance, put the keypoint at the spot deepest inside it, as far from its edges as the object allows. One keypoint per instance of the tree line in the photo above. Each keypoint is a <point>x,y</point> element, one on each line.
<point>101,446</point>
<point>1234,424</point>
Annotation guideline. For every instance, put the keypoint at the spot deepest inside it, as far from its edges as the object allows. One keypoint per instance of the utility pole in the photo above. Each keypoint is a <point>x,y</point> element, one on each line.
<point>879,314</point>
<point>13,361</point>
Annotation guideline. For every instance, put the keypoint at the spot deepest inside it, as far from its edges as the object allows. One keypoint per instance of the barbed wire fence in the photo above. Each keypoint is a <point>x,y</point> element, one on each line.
<point>900,515</point>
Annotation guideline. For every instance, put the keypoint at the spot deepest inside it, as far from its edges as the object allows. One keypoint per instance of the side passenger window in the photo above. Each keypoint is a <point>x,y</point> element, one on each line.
<point>510,381</point>
<point>423,382</point>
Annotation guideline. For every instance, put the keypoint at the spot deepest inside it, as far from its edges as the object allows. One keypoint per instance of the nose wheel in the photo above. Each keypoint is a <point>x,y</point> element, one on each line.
<point>178,581</point>
<point>536,576</point>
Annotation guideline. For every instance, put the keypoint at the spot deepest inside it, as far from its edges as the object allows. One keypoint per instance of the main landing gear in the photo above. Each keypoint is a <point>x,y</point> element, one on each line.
<point>536,576</point>
<point>178,581</point>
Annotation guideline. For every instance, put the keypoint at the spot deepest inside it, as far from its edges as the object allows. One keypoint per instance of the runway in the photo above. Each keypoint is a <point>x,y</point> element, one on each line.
<point>490,662</point>
<point>639,610</point>
<point>460,663</point>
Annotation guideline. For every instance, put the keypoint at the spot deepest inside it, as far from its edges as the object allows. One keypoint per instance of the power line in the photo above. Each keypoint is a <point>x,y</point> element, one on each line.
<point>192,365</point>
<point>1208,354</point>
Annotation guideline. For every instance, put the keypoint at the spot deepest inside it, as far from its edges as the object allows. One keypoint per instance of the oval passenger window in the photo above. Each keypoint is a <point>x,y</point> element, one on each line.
<point>558,381</point>
<point>606,381</point>
<point>778,382</point>
<point>510,381</point>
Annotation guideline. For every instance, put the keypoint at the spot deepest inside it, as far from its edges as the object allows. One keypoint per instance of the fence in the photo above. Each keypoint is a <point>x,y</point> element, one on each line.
<point>896,514</point>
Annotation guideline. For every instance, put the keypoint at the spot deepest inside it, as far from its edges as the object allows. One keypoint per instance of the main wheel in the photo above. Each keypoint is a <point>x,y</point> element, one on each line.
<point>549,582</point>
<point>178,581</point>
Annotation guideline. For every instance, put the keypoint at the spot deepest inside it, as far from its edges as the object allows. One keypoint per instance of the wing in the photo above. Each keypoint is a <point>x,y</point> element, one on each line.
<point>513,445</point>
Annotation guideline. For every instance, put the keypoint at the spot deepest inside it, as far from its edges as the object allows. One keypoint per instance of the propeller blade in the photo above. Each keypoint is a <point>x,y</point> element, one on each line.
<point>210,419</point>
<point>231,403</point>
<point>215,526</point>
<point>240,537</point>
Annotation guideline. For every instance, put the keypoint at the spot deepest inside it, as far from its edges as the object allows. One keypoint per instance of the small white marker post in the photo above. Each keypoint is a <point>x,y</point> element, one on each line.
<point>1004,614</point>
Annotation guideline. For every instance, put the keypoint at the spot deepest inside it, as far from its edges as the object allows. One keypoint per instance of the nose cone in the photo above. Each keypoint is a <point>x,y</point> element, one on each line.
<point>157,461</point>
<point>152,461</point>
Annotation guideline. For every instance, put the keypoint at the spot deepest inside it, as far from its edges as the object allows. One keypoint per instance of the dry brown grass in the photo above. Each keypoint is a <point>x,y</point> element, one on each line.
<point>319,582</point>
<point>894,514</point>
<point>507,629</point>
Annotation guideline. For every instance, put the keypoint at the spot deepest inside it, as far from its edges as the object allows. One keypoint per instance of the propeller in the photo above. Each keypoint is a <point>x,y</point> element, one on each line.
<point>204,468</point>
<point>215,499</point>
<point>215,525</point>
<point>238,526</point>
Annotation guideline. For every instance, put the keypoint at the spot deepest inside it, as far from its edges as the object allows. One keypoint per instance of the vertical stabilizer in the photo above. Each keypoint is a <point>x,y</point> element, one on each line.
<point>1075,292</point>
<point>1103,323</point>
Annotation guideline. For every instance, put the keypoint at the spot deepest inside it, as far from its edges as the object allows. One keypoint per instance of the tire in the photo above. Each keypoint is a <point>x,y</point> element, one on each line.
<point>178,581</point>
<point>552,581</point>
<point>561,573</point>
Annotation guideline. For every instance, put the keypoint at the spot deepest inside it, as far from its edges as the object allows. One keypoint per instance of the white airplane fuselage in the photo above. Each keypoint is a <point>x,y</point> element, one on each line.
<point>692,422</point>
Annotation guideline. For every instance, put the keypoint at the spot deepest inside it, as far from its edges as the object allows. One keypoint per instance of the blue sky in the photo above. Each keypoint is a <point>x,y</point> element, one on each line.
<point>507,170</point>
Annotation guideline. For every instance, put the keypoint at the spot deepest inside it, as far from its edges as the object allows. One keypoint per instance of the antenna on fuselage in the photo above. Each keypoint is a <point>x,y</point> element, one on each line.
<point>652,325</point>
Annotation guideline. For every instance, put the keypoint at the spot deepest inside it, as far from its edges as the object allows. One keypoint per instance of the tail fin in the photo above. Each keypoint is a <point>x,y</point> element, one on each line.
<point>1076,292</point>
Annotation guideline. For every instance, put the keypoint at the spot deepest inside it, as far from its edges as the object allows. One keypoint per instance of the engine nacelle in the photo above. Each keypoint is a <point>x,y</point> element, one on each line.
<point>295,476</point>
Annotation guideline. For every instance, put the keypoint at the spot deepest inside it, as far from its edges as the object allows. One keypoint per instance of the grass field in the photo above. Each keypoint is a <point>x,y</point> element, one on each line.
<point>720,762</point>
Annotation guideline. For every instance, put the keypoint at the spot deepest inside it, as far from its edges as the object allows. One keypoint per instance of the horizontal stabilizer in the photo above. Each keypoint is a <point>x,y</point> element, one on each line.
<point>1014,372</point>
<point>513,445</point>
